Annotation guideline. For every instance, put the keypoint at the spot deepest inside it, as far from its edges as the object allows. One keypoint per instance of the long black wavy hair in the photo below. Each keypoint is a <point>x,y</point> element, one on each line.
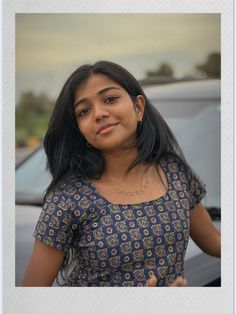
<point>65,146</point>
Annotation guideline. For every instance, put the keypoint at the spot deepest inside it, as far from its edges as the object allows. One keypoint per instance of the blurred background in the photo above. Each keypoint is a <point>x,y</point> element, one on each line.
<point>156,48</point>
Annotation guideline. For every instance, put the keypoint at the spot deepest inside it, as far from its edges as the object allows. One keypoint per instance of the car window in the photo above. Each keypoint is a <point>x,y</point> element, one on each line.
<point>31,176</point>
<point>199,138</point>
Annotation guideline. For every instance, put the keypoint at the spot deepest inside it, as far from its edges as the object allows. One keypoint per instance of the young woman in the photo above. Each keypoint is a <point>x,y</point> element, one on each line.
<point>123,201</point>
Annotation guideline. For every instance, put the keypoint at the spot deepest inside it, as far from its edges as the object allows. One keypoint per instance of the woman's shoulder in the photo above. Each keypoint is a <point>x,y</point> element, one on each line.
<point>178,170</point>
<point>68,188</point>
<point>173,163</point>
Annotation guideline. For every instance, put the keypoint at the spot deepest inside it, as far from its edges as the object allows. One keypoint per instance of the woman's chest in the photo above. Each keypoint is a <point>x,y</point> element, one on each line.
<point>116,235</point>
<point>136,190</point>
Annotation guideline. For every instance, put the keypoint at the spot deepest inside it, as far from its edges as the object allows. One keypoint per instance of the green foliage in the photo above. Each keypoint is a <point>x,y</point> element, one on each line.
<point>212,67</point>
<point>164,70</point>
<point>32,116</point>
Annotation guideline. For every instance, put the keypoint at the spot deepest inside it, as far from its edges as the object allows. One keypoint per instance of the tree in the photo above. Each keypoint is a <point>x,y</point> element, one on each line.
<point>164,70</point>
<point>32,116</point>
<point>212,67</point>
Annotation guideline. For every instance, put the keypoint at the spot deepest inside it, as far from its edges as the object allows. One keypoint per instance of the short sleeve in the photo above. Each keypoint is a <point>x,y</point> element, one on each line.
<point>56,225</point>
<point>196,188</point>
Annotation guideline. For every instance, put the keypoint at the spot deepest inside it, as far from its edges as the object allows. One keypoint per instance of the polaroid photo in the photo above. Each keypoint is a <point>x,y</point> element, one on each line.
<point>182,55</point>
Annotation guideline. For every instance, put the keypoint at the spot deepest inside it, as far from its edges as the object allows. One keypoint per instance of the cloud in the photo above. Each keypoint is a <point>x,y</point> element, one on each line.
<point>47,43</point>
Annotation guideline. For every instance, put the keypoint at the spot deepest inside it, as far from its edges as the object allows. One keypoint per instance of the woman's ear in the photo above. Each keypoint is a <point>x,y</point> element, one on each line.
<point>139,107</point>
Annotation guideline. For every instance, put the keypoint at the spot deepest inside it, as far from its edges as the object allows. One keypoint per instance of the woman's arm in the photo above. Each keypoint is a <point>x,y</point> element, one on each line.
<point>203,232</point>
<point>44,265</point>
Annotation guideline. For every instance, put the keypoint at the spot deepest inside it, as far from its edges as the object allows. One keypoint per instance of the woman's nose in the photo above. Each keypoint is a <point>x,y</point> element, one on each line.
<point>100,112</point>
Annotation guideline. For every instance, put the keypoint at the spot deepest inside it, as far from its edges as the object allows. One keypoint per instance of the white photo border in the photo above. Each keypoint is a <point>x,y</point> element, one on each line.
<point>118,300</point>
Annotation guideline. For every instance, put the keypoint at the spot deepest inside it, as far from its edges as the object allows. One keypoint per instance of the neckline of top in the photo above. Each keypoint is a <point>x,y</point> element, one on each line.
<point>156,200</point>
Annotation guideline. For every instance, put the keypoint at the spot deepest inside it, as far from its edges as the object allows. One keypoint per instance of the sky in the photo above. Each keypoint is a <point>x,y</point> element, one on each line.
<point>49,47</point>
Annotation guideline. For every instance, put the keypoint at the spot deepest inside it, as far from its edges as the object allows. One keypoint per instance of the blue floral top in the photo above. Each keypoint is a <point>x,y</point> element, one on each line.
<point>121,245</point>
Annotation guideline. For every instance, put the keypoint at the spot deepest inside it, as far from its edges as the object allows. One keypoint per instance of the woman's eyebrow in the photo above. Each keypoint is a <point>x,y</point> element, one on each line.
<point>102,91</point>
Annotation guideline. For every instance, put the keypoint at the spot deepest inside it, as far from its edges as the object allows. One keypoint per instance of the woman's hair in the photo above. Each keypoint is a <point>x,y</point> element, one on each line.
<point>65,146</point>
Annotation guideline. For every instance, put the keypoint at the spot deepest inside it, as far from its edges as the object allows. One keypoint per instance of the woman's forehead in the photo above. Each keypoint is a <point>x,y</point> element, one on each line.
<point>95,84</point>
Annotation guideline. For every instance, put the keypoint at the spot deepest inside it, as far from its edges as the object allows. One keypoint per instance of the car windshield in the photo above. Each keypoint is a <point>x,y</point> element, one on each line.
<point>195,123</point>
<point>32,179</point>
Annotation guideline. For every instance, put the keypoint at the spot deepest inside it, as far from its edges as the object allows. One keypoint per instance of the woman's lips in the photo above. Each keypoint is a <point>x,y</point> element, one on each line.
<point>107,128</point>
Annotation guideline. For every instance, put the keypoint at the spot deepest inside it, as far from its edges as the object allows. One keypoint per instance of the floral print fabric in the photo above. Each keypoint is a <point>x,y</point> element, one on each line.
<point>122,245</point>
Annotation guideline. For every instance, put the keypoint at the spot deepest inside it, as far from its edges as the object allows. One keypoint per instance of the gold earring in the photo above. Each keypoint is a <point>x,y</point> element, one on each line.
<point>139,123</point>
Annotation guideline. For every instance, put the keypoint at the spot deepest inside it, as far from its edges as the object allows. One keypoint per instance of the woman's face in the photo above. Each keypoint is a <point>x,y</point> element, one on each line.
<point>105,113</point>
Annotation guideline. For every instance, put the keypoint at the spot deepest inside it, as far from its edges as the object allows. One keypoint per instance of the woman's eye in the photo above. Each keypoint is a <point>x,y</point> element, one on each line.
<point>111,99</point>
<point>83,112</point>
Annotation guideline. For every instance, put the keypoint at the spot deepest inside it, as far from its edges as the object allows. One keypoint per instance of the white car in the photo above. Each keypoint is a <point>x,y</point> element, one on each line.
<point>192,110</point>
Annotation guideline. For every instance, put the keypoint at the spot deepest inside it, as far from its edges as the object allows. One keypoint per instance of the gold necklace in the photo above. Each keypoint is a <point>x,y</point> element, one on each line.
<point>137,192</point>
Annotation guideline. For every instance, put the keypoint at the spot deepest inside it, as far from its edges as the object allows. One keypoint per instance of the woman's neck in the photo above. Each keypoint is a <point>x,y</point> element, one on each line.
<point>117,163</point>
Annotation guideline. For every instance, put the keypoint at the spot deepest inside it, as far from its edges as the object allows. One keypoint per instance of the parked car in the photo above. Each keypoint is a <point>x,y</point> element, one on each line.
<point>192,110</point>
